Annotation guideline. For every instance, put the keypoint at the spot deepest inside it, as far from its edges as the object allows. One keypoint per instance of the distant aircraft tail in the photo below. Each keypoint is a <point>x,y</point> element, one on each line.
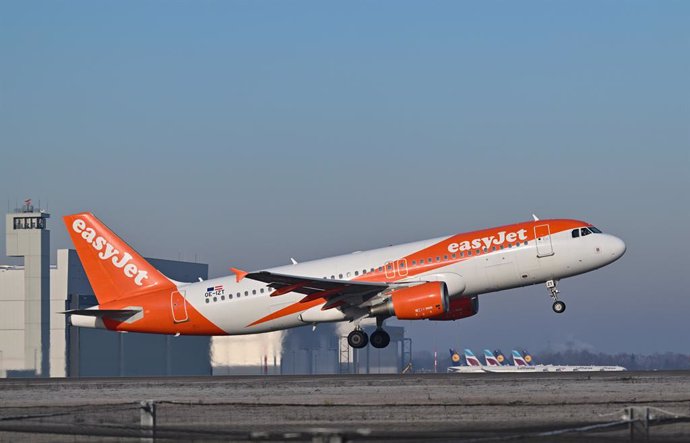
<point>471,359</point>
<point>454,356</point>
<point>528,358</point>
<point>500,357</point>
<point>490,358</point>
<point>518,359</point>
<point>114,269</point>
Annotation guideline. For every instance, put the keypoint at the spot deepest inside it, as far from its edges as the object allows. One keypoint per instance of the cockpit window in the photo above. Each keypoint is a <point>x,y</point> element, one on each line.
<point>576,233</point>
<point>595,230</point>
<point>585,231</point>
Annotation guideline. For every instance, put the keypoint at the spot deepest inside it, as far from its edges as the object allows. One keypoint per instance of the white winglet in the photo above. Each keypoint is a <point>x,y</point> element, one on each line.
<point>535,217</point>
<point>294,262</point>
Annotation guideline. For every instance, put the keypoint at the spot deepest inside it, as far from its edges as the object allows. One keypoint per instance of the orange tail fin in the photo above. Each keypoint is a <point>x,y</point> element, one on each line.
<point>114,269</point>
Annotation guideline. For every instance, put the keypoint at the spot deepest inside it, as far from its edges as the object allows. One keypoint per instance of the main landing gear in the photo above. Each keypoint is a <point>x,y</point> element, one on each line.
<point>558,306</point>
<point>357,338</point>
<point>379,338</point>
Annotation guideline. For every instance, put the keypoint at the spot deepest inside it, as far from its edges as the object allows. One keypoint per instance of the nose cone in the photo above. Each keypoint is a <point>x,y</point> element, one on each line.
<point>616,247</point>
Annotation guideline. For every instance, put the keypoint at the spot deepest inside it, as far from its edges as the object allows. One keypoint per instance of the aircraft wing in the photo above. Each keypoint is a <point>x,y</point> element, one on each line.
<point>335,292</point>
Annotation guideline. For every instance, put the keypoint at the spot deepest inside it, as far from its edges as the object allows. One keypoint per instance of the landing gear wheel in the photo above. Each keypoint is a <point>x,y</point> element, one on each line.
<point>380,338</point>
<point>558,306</point>
<point>357,339</point>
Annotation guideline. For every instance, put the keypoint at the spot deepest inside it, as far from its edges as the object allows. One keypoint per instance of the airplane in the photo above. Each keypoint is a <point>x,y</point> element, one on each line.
<point>472,364</point>
<point>528,361</point>
<point>491,359</point>
<point>500,357</point>
<point>520,360</point>
<point>438,279</point>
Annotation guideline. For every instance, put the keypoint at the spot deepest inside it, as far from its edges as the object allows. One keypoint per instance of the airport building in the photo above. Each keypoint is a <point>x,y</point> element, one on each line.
<point>36,340</point>
<point>309,351</point>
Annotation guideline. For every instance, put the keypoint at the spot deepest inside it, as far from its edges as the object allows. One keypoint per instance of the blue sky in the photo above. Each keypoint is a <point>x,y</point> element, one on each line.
<point>245,133</point>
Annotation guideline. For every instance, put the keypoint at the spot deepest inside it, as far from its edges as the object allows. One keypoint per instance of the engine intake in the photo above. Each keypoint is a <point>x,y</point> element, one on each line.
<point>427,300</point>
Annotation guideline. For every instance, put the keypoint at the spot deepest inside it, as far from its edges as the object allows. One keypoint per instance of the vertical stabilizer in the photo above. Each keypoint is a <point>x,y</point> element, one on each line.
<point>114,269</point>
<point>471,359</point>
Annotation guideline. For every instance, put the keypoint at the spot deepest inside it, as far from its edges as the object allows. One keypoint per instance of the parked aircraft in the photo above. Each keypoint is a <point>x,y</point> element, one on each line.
<point>491,359</point>
<point>438,279</point>
<point>471,363</point>
<point>524,360</point>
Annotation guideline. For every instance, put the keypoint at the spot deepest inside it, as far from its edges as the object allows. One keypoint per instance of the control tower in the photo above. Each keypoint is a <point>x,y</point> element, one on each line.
<point>26,236</point>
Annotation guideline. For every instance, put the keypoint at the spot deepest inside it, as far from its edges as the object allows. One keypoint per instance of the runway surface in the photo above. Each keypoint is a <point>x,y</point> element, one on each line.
<point>447,407</point>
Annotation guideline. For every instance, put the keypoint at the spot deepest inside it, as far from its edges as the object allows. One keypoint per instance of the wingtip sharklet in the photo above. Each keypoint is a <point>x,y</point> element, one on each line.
<point>239,274</point>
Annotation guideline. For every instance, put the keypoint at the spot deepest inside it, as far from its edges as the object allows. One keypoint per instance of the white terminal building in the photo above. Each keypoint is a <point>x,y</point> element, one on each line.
<point>37,341</point>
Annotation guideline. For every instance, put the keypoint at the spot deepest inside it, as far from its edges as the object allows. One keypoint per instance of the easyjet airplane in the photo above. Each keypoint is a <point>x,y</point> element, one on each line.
<point>438,279</point>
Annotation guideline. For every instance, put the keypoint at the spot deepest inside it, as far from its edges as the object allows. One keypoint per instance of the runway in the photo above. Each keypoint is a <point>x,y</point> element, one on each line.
<point>416,407</point>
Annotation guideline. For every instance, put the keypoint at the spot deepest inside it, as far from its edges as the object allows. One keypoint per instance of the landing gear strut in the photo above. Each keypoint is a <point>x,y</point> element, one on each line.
<point>357,338</point>
<point>558,306</point>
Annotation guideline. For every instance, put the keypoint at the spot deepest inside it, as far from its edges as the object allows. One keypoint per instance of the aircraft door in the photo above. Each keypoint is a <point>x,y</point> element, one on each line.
<point>178,305</point>
<point>542,235</point>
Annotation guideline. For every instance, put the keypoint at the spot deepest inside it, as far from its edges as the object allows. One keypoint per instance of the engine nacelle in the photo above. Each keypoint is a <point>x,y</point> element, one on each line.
<point>460,307</point>
<point>415,302</point>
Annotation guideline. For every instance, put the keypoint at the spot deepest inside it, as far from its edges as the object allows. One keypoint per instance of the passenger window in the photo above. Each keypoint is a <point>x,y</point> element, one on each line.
<point>429,260</point>
<point>332,277</point>
<point>261,290</point>
<point>445,257</point>
<point>208,300</point>
<point>356,273</point>
<point>222,297</point>
<point>253,291</point>
<point>340,276</point>
<point>462,254</point>
<point>414,262</point>
<point>229,296</point>
<point>494,248</point>
<point>364,271</point>
<point>238,294</point>
<point>454,255</point>
<point>246,293</point>
<point>438,258</point>
<point>215,299</point>
<point>349,274</point>
<point>469,253</point>
<point>576,233</point>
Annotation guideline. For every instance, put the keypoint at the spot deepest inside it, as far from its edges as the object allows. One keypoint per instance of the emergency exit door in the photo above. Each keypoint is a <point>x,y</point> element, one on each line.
<point>178,304</point>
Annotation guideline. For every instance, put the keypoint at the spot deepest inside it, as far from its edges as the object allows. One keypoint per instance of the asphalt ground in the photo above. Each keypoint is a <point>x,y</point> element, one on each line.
<point>441,407</point>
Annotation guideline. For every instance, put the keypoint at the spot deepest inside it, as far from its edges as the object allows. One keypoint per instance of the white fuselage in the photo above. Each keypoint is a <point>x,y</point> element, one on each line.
<point>239,303</point>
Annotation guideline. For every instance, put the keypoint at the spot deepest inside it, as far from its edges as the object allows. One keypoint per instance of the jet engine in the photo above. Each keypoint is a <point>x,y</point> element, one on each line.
<point>461,307</point>
<point>415,302</point>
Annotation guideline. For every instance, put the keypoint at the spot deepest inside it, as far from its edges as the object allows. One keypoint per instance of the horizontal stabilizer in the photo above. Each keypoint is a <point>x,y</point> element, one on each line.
<point>117,314</point>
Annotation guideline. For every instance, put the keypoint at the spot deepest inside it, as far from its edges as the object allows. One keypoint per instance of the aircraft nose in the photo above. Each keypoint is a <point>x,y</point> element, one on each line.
<point>616,247</point>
